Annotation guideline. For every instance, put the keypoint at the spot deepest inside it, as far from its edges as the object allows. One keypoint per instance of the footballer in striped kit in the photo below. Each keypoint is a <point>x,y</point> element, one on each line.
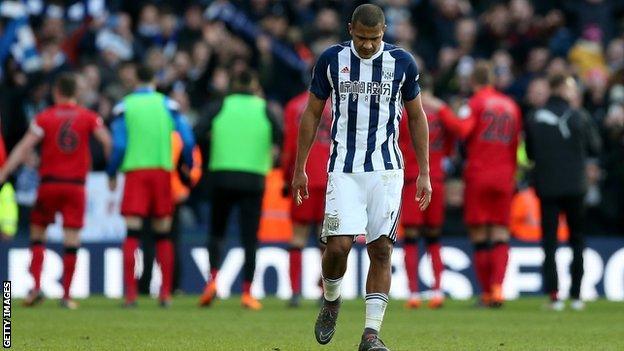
<point>369,83</point>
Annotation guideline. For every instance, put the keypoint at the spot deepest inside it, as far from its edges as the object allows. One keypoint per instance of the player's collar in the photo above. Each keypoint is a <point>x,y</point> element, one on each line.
<point>143,89</point>
<point>375,55</point>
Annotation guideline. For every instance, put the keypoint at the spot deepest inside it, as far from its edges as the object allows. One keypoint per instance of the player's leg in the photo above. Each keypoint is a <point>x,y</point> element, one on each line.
<point>161,212</point>
<point>297,243</point>
<point>410,258</point>
<point>334,264</point>
<point>434,218</point>
<point>500,209</point>
<point>303,217</point>
<point>148,247</point>
<point>73,210</point>
<point>37,252</point>
<point>221,207</point>
<point>475,216</point>
<point>250,211</point>
<point>164,256</point>
<point>549,211</point>
<point>175,239</point>
<point>432,240</point>
<point>383,208</point>
<point>41,215</point>
<point>129,247</point>
<point>377,283</point>
<point>71,243</point>
<point>499,257</point>
<point>319,215</point>
<point>411,218</point>
<point>481,260</point>
<point>345,217</point>
<point>333,267</point>
<point>575,215</point>
<point>134,206</point>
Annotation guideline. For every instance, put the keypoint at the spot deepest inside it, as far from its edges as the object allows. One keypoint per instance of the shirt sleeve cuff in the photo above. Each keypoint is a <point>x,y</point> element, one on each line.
<point>35,128</point>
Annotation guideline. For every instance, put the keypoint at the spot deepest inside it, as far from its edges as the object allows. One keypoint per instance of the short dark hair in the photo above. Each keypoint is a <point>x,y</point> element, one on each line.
<point>66,84</point>
<point>483,73</point>
<point>369,15</point>
<point>557,80</point>
<point>145,74</point>
<point>242,81</point>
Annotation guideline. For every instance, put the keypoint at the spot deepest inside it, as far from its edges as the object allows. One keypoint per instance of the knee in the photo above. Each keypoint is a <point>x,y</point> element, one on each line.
<point>500,234</point>
<point>337,249</point>
<point>478,234</point>
<point>380,252</point>
<point>411,233</point>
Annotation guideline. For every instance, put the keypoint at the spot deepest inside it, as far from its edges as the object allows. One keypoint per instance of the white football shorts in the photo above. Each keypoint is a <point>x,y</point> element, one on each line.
<point>363,203</point>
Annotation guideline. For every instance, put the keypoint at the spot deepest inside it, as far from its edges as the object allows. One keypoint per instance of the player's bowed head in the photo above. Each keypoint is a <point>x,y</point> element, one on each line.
<point>367,28</point>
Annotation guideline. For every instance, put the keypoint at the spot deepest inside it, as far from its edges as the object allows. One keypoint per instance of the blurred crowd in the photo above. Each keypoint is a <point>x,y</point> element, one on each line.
<point>195,46</point>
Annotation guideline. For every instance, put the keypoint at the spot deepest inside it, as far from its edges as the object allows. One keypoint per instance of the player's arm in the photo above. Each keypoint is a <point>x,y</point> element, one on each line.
<point>119,142</point>
<point>186,132</point>
<point>320,89</point>
<point>419,131</point>
<point>310,120</point>
<point>277,134</point>
<point>289,148</point>
<point>460,125</point>
<point>21,150</point>
<point>101,134</point>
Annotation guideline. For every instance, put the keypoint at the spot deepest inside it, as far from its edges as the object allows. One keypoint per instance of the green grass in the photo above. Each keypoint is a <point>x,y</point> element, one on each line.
<point>100,324</point>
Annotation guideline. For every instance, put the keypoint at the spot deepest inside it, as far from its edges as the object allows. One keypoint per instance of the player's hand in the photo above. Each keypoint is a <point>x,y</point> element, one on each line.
<point>423,191</point>
<point>300,187</point>
<point>112,183</point>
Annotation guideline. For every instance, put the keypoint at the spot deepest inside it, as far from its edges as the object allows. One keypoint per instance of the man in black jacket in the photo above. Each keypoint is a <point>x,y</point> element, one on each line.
<point>559,139</point>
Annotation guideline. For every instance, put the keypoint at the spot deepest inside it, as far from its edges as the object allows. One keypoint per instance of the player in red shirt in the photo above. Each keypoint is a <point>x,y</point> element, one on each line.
<point>490,124</point>
<point>429,222</point>
<point>310,214</point>
<point>64,131</point>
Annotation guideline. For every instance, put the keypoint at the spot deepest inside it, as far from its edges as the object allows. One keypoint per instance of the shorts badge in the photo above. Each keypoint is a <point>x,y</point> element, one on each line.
<point>331,223</point>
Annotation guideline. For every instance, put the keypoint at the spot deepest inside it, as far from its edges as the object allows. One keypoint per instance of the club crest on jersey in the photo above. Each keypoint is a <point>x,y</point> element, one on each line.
<point>387,74</point>
<point>344,69</point>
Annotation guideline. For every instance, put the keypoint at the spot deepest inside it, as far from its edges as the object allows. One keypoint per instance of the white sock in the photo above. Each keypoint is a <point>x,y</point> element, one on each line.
<point>375,308</point>
<point>331,288</point>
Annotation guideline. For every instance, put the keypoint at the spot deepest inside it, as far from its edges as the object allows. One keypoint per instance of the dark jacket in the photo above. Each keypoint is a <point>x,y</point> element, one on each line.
<point>559,140</point>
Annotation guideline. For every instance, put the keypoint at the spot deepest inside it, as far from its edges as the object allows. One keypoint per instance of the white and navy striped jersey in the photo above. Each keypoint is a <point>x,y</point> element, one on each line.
<point>367,103</point>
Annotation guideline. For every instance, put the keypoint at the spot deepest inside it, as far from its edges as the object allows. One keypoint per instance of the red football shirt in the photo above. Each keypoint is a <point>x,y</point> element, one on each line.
<point>316,168</point>
<point>65,129</point>
<point>440,144</point>
<point>491,124</point>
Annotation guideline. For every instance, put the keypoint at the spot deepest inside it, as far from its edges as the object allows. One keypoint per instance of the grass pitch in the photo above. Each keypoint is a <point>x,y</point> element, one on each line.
<point>100,324</point>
